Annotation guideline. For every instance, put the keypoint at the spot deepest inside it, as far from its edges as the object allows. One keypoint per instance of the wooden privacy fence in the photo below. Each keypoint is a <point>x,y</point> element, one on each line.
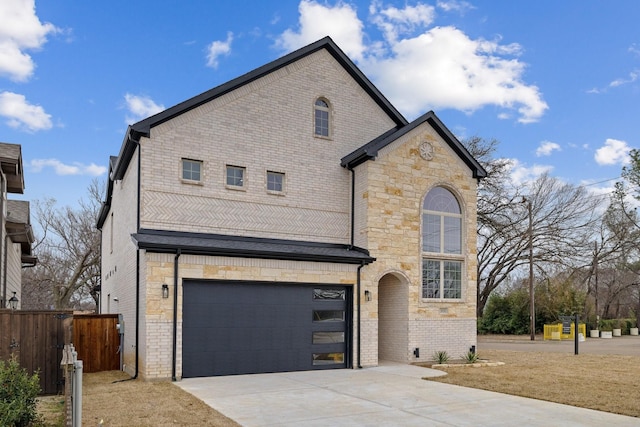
<point>97,341</point>
<point>36,339</point>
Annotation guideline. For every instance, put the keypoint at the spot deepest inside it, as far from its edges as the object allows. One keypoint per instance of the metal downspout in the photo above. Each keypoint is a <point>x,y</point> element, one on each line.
<point>175,314</point>
<point>359,313</point>
<point>3,300</point>
<point>351,244</point>
<point>138,262</point>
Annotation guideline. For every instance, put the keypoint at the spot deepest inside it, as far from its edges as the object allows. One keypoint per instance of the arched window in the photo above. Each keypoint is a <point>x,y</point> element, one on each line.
<point>321,118</point>
<point>442,258</point>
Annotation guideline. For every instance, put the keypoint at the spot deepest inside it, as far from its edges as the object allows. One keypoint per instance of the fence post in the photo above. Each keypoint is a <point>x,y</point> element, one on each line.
<point>72,386</point>
<point>77,393</point>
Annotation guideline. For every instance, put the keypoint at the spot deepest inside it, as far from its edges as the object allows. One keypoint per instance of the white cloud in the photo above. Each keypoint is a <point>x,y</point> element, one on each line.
<point>456,6</point>
<point>394,22</point>
<point>22,115</point>
<point>218,48</point>
<point>37,165</point>
<point>546,148</point>
<point>20,30</point>
<point>317,21</point>
<point>613,152</point>
<point>633,76</point>
<point>140,107</point>
<point>522,174</point>
<point>420,68</point>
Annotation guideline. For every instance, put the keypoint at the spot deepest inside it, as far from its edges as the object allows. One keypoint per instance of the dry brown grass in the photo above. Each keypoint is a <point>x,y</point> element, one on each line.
<point>142,403</point>
<point>603,382</point>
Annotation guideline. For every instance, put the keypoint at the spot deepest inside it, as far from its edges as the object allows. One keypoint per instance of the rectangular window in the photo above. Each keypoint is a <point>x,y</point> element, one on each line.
<point>275,181</point>
<point>328,358</point>
<point>329,294</point>
<point>328,316</point>
<point>328,337</point>
<point>322,123</point>
<point>430,279</point>
<point>452,280</point>
<point>191,170</point>
<point>431,233</point>
<point>235,176</point>
<point>452,235</point>
<point>441,279</point>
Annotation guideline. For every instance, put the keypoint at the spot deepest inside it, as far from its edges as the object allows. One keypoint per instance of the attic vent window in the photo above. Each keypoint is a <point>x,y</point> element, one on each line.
<point>321,118</point>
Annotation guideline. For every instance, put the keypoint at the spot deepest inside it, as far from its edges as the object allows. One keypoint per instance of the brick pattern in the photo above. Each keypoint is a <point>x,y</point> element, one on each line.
<point>455,336</point>
<point>393,309</point>
<point>119,261</point>
<point>266,125</point>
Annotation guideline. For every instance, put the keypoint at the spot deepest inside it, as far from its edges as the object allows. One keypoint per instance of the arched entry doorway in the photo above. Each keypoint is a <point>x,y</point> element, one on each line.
<point>393,314</point>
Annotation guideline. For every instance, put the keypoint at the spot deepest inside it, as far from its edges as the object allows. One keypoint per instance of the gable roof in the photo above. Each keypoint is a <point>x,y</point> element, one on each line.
<point>370,150</point>
<point>143,127</point>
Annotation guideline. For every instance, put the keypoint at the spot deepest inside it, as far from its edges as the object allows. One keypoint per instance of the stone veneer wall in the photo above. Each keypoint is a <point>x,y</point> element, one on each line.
<point>158,319</point>
<point>398,180</point>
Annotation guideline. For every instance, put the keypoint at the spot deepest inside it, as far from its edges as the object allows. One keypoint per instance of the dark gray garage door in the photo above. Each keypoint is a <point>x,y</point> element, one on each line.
<point>254,327</point>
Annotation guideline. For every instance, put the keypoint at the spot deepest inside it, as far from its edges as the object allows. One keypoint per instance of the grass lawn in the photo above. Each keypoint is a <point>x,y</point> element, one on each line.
<point>607,383</point>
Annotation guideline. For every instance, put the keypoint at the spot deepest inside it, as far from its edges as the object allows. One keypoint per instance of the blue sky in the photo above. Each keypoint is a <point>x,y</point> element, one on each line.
<point>556,82</point>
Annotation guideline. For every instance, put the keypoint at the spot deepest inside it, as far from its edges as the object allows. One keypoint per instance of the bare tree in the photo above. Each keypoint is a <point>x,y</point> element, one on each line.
<point>68,271</point>
<point>562,216</point>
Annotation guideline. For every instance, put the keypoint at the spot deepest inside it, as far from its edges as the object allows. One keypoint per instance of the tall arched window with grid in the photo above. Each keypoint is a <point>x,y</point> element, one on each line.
<point>321,118</point>
<point>442,257</point>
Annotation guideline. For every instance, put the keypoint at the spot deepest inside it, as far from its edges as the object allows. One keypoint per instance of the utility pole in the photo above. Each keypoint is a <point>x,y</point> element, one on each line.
<point>595,272</point>
<point>532,311</point>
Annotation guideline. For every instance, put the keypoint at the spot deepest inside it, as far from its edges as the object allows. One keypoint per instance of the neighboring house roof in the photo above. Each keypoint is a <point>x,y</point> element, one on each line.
<point>251,247</point>
<point>370,150</point>
<point>18,224</point>
<point>11,164</point>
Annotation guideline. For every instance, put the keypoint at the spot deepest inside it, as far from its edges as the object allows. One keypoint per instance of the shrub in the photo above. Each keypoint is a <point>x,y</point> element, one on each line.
<point>441,357</point>
<point>18,392</point>
<point>470,357</point>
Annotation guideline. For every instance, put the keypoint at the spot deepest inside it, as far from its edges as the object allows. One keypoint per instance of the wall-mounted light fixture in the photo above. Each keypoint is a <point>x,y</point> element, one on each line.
<point>13,302</point>
<point>367,295</point>
<point>165,290</point>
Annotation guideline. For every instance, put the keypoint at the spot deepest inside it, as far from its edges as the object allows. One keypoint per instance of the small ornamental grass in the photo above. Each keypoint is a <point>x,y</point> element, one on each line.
<point>470,357</point>
<point>18,393</point>
<point>441,357</point>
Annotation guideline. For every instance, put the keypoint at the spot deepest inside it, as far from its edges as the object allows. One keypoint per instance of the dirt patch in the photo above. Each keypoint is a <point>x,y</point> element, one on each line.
<point>109,401</point>
<point>603,382</point>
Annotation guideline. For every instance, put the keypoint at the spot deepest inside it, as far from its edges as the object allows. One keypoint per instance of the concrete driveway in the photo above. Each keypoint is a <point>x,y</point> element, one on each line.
<point>387,395</point>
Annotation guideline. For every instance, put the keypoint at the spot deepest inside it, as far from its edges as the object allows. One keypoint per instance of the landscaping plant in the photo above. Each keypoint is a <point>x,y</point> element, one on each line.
<point>18,393</point>
<point>470,357</point>
<point>441,357</point>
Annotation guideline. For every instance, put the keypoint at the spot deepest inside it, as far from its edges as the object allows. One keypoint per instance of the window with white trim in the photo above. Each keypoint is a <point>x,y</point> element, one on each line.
<point>275,182</point>
<point>192,170</point>
<point>235,176</point>
<point>442,258</point>
<point>321,113</point>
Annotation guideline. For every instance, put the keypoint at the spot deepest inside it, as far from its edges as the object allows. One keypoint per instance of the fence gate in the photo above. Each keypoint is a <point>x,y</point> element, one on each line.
<point>97,341</point>
<point>36,339</point>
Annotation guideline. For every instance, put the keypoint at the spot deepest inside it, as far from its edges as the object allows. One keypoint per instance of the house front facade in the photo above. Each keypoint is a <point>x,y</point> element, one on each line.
<point>290,219</point>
